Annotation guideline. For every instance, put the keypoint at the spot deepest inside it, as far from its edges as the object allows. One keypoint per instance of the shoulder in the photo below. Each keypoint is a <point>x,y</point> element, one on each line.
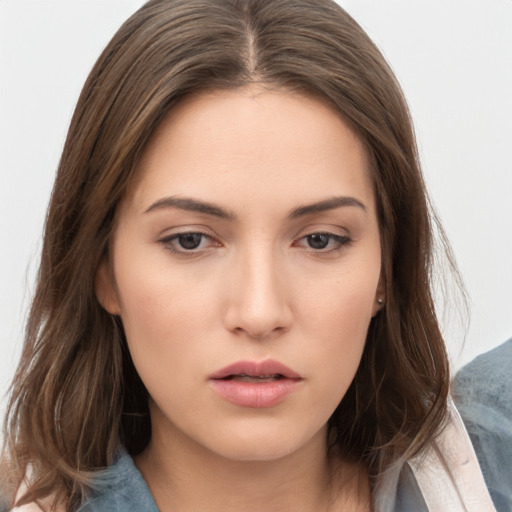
<point>487,380</point>
<point>120,488</point>
<point>482,391</point>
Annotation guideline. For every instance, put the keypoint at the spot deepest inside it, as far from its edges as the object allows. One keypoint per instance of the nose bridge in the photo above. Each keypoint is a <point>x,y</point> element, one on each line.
<point>258,302</point>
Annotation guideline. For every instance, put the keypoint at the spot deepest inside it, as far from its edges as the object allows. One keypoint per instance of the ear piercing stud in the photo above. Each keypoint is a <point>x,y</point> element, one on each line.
<point>380,302</point>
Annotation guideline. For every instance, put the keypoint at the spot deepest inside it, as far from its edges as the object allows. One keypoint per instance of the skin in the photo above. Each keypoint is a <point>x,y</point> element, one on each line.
<point>256,287</point>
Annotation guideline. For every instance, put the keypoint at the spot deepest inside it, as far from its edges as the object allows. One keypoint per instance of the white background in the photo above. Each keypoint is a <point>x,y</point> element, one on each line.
<point>453,58</point>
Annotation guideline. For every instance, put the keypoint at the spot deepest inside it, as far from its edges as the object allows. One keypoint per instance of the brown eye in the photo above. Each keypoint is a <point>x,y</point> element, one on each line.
<point>318,240</point>
<point>323,243</point>
<point>190,241</point>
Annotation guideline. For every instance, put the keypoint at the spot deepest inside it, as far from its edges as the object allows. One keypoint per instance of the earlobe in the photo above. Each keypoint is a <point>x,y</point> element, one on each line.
<point>105,288</point>
<point>379,300</point>
<point>379,304</point>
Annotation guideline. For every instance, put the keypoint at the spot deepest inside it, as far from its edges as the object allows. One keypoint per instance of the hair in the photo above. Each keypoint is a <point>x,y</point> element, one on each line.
<point>76,395</point>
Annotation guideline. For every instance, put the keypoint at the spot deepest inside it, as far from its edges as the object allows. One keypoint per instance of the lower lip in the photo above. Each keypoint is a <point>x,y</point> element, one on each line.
<point>255,394</point>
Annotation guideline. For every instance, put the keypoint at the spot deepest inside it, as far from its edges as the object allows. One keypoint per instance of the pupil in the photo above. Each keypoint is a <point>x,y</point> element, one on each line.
<point>190,240</point>
<point>318,241</point>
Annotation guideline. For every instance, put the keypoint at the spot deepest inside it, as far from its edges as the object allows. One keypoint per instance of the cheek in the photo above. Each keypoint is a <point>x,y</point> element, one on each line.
<point>154,296</point>
<point>340,305</point>
<point>165,318</point>
<point>335,319</point>
<point>167,342</point>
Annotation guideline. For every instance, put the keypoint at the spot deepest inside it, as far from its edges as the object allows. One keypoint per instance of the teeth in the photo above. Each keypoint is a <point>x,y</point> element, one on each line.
<point>259,378</point>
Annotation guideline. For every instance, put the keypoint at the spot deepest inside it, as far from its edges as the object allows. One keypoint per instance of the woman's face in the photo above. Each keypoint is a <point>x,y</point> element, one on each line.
<point>245,267</point>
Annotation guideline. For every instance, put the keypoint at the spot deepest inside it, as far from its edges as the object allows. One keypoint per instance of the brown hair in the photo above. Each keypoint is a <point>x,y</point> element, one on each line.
<point>76,394</point>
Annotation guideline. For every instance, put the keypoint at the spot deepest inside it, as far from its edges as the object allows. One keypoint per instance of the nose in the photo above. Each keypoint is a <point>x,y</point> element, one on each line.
<point>258,304</point>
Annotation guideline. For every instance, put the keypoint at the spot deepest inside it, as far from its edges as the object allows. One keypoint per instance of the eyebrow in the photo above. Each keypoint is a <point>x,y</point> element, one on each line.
<point>194,205</point>
<point>191,205</point>
<point>328,204</point>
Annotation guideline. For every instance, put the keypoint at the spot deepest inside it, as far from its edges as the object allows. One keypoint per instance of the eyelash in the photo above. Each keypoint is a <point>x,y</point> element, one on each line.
<point>168,242</point>
<point>340,242</point>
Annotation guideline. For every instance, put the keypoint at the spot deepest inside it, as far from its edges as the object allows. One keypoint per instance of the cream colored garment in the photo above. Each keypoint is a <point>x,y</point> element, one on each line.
<point>33,507</point>
<point>29,507</point>
<point>447,471</point>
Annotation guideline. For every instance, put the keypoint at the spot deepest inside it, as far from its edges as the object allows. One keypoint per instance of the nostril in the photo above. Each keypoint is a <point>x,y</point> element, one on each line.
<point>257,306</point>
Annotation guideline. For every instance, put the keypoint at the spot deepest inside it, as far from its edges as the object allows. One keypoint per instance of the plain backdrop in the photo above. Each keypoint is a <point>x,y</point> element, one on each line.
<point>452,57</point>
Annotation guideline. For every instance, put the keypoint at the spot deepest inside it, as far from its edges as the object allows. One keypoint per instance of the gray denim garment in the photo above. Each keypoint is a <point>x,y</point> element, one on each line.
<point>121,488</point>
<point>483,395</point>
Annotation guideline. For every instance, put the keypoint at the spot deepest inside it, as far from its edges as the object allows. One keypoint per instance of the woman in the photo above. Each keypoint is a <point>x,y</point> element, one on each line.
<point>233,308</point>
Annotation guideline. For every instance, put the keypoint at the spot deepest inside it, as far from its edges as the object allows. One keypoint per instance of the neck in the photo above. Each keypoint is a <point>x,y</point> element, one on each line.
<point>183,475</point>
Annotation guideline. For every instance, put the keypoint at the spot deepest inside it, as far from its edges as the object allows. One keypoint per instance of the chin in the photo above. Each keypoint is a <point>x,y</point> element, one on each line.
<point>265,445</point>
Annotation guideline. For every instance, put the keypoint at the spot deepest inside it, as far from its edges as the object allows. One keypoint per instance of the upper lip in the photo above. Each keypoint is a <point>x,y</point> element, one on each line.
<point>266,368</point>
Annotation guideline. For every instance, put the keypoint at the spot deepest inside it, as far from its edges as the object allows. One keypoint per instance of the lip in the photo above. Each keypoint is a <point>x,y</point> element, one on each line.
<point>255,394</point>
<point>256,369</point>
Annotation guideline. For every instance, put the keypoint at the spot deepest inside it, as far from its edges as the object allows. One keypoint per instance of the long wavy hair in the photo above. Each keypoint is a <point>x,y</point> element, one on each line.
<point>76,395</point>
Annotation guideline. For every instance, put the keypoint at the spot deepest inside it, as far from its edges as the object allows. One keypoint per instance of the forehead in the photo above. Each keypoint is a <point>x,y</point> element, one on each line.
<point>252,142</point>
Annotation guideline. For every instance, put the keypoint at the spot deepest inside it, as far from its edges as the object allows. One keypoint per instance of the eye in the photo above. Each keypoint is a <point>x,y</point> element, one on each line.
<point>324,242</point>
<point>191,242</point>
<point>318,240</point>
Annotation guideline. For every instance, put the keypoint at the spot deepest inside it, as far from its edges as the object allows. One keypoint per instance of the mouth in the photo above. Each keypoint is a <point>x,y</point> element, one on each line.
<point>252,371</point>
<point>255,384</point>
<point>243,377</point>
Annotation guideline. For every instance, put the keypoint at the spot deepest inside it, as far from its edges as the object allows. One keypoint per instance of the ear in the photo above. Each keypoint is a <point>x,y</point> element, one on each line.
<point>105,288</point>
<point>380,297</point>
